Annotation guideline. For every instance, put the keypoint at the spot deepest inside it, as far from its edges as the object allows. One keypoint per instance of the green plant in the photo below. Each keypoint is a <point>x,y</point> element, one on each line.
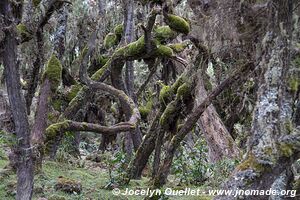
<point>191,165</point>
<point>116,164</point>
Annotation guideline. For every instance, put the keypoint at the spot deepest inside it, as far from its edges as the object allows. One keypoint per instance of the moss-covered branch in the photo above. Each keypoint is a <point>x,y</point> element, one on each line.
<point>192,118</point>
<point>69,125</point>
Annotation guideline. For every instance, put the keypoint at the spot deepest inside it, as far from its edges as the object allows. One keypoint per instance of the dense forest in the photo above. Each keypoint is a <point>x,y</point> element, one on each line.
<point>149,99</point>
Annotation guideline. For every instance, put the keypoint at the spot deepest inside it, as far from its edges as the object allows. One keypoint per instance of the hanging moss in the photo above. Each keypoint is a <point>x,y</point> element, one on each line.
<point>53,72</point>
<point>118,30</point>
<point>164,33</point>
<point>23,31</point>
<point>36,2</point>
<point>110,40</point>
<point>178,24</point>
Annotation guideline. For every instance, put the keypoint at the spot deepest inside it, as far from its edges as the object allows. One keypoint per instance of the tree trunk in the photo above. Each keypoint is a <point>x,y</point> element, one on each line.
<point>219,141</point>
<point>274,143</point>
<point>136,166</point>
<point>40,123</point>
<point>17,102</point>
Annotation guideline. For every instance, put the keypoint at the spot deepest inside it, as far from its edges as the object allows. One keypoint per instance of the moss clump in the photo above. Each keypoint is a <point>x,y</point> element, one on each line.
<point>286,149</point>
<point>164,33</point>
<point>165,51</point>
<point>178,24</point>
<point>294,84</point>
<point>73,92</point>
<point>53,72</point>
<point>165,94</point>
<point>251,163</point>
<point>110,40</point>
<point>135,48</point>
<point>23,31</point>
<point>57,104</point>
<point>145,110</point>
<point>184,91</point>
<point>118,30</point>
<point>36,2</point>
<point>53,129</point>
<point>178,47</point>
<point>102,60</point>
<point>68,185</point>
<point>167,114</point>
<point>56,197</point>
<point>296,184</point>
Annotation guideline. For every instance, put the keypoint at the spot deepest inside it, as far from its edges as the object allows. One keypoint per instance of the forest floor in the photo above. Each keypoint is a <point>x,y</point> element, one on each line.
<point>93,182</point>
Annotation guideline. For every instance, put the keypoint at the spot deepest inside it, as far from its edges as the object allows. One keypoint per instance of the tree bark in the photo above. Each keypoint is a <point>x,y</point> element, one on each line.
<point>219,141</point>
<point>17,102</point>
<point>273,145</point>
<point>40,123</point>
<point>191,119</point>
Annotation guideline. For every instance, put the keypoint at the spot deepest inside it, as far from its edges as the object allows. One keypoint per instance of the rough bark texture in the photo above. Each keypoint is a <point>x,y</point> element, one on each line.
<point>274,143</point>
<point>219,141</point>
<point>40,124</point>
<point>23,150</point>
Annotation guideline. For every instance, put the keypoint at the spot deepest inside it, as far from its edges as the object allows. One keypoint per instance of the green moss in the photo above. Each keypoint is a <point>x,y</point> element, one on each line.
<point>296,61</point>
<point>167,114</point>
<point>53,72</point>
<point>36,2</point>
<point>102,60</point>
<point>164,33</point>
<point>251,163</point>
<point>294,84</point>
<point>184,91</point>
<point>289,126</point>
<point>68,185</point>
<point>73,92</point>
<point>286,149</point>
<point>165,51</point>
<point>110,40</point>
<point>98,74</point>
<point>296,184</point>
<point>53,129</point>
<point>135,48</point>
<point>118,30</point>
<point>178,47</point>
<point>145,110</point>
<point>23,31</point>
<point>57,104</point>
<point>165,94</point>
<point>178,24</point>
<point>56,197</point>
<point>83,52</point>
